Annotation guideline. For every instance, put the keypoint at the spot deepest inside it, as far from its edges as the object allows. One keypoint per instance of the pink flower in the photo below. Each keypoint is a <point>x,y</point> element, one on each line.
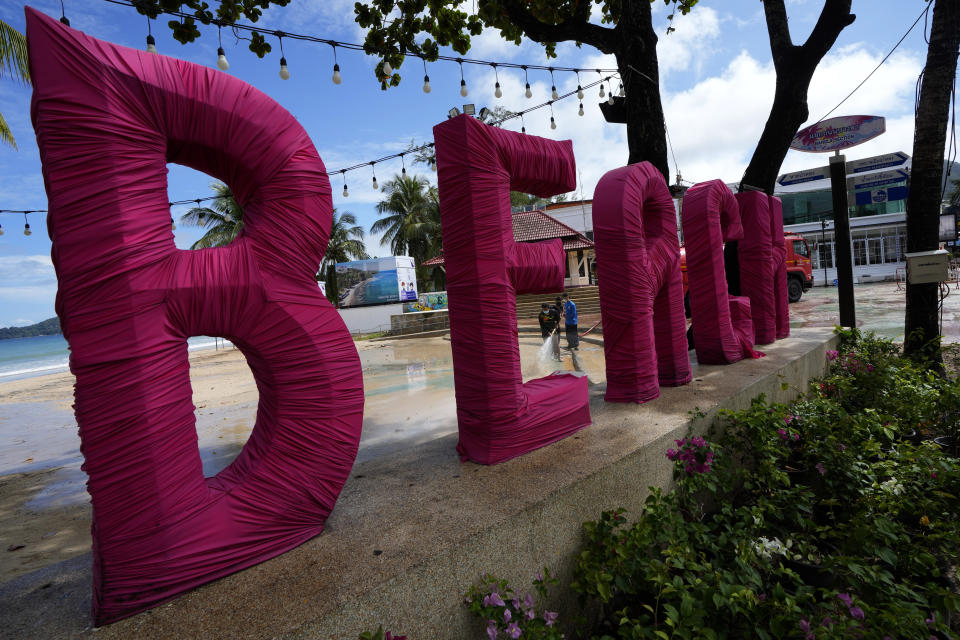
<point>507,615</point>
<point>846,599</point>
<point>550,617</point>
<point>494,599</point>
<point>783,434</point>
<point>932,620</point>
<point>513,631</point>
<point>843,447</point>
<point>788,419</point>
<point>491,630</point>
<point>821,469</point>
<point>393,637</point>
<point>672,454</point>
<point>528,601</point>
<point>856,612</point>
<point>832,354</point>
<point>933,474</point>
<point>796,437</point>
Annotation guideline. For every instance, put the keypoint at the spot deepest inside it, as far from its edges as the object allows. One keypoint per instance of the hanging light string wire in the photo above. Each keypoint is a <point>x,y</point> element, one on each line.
<point>369,163</point>
<point>359,47</point>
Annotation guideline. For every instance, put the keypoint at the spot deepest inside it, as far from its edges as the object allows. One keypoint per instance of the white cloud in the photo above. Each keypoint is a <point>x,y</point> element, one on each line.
<point>715,125</point>
<point>691,42</point>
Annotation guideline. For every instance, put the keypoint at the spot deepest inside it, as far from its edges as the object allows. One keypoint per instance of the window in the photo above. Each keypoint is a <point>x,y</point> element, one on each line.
<point>825,255</point>
<point>859,251</point>
<point>800,248</point>
<point>875,250</point>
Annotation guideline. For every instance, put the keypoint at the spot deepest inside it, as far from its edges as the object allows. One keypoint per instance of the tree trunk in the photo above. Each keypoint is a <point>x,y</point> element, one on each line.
<point>788,112</point>
<point>921,326</point>
<point>795,66</point>
<point>635,44</point>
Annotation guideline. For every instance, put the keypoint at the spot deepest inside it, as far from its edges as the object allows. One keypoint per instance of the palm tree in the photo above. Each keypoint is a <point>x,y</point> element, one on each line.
<point>346,241</point>
<point>13,62</point>
<point>223,219</point>
<point>406,203</point>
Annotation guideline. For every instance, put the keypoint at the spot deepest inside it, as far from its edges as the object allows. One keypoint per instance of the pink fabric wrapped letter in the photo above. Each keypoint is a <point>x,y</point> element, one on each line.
<point>779,257</point>
<point>756,264</point>
<point>108,119</point>
<point>722,326</point>
<point>641,287</point>
<point>499,417</point>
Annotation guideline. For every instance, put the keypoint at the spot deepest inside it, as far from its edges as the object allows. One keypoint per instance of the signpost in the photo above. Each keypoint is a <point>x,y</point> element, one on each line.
<point>833,135</point>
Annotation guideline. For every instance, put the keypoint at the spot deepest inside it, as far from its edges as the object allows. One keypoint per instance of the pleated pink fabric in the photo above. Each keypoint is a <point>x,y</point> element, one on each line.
<point>499,417</point>
<point>640,284</point>
<point>108,119</point>
<point>722,325</point>
<point>756,264</point>
<point>779,257</point>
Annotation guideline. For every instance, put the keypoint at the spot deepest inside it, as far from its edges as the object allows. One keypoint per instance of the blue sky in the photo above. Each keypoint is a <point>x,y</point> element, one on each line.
<point>717,82</point>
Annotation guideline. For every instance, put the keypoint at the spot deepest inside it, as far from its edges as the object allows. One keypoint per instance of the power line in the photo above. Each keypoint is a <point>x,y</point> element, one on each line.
<point>922,14</point>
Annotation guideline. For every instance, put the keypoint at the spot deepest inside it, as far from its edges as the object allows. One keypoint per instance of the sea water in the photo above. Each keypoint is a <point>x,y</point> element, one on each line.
<point>40,355</point>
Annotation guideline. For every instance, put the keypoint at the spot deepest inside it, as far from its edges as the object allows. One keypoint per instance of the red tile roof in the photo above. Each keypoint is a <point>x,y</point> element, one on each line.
<point>533,226</point>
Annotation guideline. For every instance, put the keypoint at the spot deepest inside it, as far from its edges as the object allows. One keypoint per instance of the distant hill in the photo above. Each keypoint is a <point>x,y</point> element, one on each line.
<point>46,328</point>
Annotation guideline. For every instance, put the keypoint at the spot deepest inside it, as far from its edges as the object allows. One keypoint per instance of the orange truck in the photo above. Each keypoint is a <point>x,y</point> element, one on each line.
<point>799,268</point>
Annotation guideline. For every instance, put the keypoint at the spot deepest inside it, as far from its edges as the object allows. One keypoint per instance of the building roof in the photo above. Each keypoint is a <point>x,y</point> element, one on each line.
<point>534,226</point>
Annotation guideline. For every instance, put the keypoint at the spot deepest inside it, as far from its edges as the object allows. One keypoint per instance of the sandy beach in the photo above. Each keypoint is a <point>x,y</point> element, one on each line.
<point>44,507</point>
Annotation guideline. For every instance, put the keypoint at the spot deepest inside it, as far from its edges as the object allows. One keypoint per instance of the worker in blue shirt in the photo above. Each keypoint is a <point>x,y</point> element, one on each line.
<point>570,322</point>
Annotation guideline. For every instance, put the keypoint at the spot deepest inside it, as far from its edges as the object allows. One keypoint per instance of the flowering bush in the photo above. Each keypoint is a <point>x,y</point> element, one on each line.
<point>694,455</point>
<point>819,520</point>
<point>507,614</point>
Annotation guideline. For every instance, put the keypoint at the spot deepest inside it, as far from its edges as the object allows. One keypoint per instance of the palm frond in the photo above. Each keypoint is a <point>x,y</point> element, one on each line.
<point>6,136</point>
<point>14,60</point>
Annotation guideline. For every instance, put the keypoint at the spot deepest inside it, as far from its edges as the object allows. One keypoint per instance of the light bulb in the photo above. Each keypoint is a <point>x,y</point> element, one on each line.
<point>496,91</point>
<point>610,98</point>
<point>602,92</point>
<point>387,69</point>
<point>579,92</point>
<point>336,74</point>
<point>528,92</point>
<point>346,194</point>
<point>426,84</point>
<point>554,94</point>
<point>222,63</point>
<point>151,44</point>
<point>404,171</point>
<point>523,129</point>
<point>284,72</point>
<point>375,185</point>
<point>622,94</point>
<point>580,111</point>
<point>173,225</point>
<point>26,229</point>
<point>553,123</point>
<point>463,88</point>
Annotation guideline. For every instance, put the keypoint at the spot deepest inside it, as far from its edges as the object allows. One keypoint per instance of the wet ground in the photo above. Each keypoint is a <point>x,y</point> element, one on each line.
<point>879,307</point>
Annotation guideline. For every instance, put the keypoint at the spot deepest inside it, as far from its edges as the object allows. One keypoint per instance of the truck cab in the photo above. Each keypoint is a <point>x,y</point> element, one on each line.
<point>799,268</point>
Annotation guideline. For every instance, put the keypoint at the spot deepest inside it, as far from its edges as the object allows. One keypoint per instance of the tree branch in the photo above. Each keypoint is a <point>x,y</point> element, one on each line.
<point>781,46</point>
<point>834,18</point>
<point>577,28</point>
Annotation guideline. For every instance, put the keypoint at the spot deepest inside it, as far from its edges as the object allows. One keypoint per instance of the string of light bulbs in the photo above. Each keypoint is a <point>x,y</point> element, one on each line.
<point>387,69</point>
<point>609,95</point>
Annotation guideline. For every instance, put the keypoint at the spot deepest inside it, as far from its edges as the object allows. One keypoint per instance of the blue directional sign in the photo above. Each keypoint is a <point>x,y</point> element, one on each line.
<point>878,179</point>
<point>799,177</point>
<point>877,162</point>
